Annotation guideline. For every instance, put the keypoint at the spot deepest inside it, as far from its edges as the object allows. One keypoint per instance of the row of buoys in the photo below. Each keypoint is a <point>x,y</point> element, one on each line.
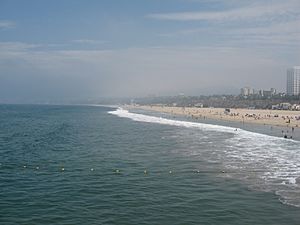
<point>117,171</point>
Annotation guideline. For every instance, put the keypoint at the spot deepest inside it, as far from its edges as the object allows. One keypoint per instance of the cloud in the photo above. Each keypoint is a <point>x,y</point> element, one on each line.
<point>89,41</point>
<point>280,34</point>
<point>15,50</point>
<point>16,46</point>
<point>5,24</point>
<point>272,24</point>
<point>284,34</point>
<point>254,12</point>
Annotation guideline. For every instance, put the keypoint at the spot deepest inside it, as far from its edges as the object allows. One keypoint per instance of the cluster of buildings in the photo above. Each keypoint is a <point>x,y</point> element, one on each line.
<point>292,85</point>
<point>286,106</point>
<point>248,91</point>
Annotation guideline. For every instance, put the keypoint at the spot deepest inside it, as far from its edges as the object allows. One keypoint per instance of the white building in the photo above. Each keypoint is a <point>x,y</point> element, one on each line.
<point>247,91</point>
<point>199,105</point>
<point>273,91</point>
<point>293,81</point>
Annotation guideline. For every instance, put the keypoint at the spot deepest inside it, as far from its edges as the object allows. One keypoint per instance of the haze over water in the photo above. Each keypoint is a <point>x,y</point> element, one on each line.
<point>97,165</point>
<point>78,51</point>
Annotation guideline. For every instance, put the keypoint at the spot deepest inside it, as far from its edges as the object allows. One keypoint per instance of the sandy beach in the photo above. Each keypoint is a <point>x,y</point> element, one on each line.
<point>282,118</point>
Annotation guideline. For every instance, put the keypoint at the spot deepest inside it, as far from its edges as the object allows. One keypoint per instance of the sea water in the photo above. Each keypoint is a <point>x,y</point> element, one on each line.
<point>99,165</point>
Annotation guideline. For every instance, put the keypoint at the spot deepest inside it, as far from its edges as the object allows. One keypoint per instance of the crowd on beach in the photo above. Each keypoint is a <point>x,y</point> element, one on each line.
<point>289,120</point>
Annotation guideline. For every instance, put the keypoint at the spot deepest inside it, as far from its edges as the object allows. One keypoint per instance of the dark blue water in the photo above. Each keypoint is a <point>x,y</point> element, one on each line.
<point>81,165</point>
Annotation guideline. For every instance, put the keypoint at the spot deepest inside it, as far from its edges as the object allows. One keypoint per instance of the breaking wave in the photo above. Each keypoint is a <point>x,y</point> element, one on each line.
<point>265,162</point>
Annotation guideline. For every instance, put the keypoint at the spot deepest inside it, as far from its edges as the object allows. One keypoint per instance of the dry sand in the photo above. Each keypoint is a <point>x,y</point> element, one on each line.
<point>282,118</point>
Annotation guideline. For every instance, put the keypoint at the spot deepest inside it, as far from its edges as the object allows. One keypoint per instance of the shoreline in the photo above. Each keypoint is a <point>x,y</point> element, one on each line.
<point>274,122</point>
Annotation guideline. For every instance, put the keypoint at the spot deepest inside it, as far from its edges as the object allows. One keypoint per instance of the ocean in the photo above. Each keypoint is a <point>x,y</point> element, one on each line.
<point>103,165</point>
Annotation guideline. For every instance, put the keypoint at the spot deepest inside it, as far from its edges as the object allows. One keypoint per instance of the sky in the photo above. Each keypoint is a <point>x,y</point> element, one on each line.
<point>64,50</point>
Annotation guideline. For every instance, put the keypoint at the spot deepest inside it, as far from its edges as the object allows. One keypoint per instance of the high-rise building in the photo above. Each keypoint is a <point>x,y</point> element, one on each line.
<point>293,81</point>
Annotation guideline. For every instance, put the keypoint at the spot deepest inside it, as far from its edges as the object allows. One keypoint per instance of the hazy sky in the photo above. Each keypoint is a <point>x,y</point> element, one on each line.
<point>79,49</point>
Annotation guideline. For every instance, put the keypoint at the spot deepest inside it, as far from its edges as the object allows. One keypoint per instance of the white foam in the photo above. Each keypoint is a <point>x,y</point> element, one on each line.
<point>152,119</point>
<point>277,159</point>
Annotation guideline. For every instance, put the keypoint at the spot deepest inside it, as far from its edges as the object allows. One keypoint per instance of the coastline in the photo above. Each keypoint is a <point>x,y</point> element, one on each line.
<point>278,123</point>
